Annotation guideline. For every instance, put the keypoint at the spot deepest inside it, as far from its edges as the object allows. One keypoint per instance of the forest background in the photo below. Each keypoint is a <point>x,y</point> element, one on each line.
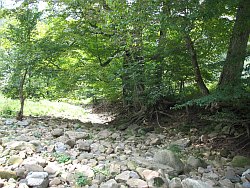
<point>148,56</point>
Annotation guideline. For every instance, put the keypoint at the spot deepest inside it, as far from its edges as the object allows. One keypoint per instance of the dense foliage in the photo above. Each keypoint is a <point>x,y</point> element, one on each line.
<point>142,53</point>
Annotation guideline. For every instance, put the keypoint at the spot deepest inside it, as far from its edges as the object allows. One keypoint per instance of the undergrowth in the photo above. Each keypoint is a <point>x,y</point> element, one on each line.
<point>10,107</point>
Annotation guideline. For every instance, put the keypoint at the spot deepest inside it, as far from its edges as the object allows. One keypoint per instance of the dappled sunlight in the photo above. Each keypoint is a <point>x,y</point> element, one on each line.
<point>55,109</point>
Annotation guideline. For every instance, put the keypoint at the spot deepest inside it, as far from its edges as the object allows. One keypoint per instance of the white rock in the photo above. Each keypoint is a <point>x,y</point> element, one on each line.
<point>110,184</point>
<point>175,183</point>
<point>38,179</point>
<point>137,183</point>
<point>226,183</point>
<point>123,177</point>
<point>191,183</point>
<point>149,174</point>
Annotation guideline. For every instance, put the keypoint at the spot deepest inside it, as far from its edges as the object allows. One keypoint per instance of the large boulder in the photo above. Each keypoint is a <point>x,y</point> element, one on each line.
<point>240,161</point>
<point>167,157</point>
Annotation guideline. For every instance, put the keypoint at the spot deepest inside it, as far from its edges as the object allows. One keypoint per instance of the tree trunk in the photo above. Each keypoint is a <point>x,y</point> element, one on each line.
<point>236,54</point>
<point>198,78</point>
<point>159,56</point>
<point>21,96</point>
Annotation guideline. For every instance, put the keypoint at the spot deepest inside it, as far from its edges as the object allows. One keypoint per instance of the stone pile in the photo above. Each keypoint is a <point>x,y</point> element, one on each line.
<point>52,154</point>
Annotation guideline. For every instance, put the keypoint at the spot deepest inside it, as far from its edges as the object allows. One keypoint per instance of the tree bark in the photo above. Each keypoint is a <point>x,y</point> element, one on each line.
<point>236,54</point>
<point>21,95</point>
<point>159,56</point>
<point>198,78</point>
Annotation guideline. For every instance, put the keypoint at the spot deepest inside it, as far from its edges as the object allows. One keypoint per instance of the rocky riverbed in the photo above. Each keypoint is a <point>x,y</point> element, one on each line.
<point>58,153</point>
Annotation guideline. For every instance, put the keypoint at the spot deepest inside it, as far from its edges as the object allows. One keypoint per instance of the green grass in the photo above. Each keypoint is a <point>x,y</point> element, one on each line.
<point>9,108</point>
<point>61,157</point>
<point>82,180</point>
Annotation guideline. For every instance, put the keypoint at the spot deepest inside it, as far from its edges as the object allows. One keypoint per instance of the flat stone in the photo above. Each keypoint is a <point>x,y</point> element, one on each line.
<point>226,183</point>
<point>20,145</point>
<point>211,176</point>
<point>191,183</point>
<point>104,134</point>
<point>52,168</point>
<point>155,141</point>
<point>84,145</point>
<point>10,121</point>
<point>23,123</point>
<point>37,179</point>
<point>85,155</point>
<point>76,135</point>
<point>55,181</point>
<point>33,168</point>
<point>182,143</point>
<point>137,183</point>
<point>110,184</point>
<point>57,132</point>
<point>15,160</point>
<point>149,174</point>
<point>123,177</point>
<point>6,174</point>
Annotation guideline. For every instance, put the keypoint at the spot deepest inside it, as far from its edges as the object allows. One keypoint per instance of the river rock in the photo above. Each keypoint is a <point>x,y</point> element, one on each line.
<point>60,147</point>
<point>246,175</point>
<point>226,183</point>
<point>57,132</point>
<point>15,160</point>
<point>175,183</point>
<point>195,162</point>
<point>77,135</point>
<point>182,143</point>
<point>123,177</point>
<point>167,157</point>
<point>55,182</point>
<point>240,161</point>
<point>115,168</point>
<point>37,179</point>
<point>23,123</point>
<point>191,183</point>
<point>231,175</point>
<point>83,145</point>
<point>137,183</point>
<point>104,134</point>
<point>211,176</point>
<point>33,168</point>
<point>10,121</point>
<point>149,174</point>
<point>110,184</point>
<point>7,174</point>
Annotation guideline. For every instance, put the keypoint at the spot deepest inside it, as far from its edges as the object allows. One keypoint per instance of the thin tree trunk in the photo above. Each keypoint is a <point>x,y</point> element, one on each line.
<point>21,95</point>
<point>198,78</point>
<point>236,54</point>
<point>159,56</point>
